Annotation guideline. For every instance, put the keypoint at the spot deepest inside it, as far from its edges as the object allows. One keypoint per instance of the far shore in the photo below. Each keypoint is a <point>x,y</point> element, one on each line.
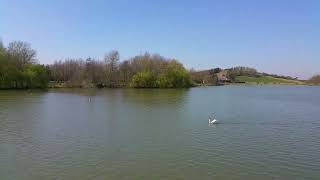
<point>66,85</point>
<point>59,86</point>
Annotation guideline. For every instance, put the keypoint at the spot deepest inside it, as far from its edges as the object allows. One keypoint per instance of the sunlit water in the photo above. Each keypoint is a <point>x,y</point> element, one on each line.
<point>266,132</point>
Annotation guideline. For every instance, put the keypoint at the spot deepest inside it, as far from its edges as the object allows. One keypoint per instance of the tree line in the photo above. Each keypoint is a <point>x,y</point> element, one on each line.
<point>19,69</point>
<point>232,73</point>
<point>142,71</point>
<point>314,79</point>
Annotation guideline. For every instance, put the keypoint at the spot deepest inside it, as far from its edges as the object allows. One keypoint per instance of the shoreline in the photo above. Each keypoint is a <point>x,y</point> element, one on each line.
<point>206,85</point>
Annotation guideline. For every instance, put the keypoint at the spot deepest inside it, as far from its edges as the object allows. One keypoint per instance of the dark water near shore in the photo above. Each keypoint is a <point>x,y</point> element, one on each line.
<point>266,132</point>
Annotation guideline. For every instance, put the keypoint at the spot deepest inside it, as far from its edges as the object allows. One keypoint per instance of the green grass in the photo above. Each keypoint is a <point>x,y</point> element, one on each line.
<point>266,80</point>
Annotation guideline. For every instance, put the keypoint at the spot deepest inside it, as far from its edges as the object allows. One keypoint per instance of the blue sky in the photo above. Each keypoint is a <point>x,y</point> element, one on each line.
<point>276,36</point>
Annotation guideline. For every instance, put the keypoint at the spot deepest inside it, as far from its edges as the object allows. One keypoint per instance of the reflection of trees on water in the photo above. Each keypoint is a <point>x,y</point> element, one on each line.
<point>155,96</point>
<point>141,96</point>
<point>77,91</point>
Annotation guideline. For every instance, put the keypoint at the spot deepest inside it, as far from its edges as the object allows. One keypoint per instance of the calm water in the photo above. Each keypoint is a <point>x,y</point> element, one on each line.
<point>266,132</point>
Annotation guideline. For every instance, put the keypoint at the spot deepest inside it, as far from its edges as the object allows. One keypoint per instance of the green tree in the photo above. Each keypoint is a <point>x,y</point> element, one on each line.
<point>143,79</point>
<point>35,76</point>
<point>176,76</point>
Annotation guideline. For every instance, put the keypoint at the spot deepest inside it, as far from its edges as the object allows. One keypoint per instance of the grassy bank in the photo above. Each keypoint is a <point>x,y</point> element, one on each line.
<point>267,80</point>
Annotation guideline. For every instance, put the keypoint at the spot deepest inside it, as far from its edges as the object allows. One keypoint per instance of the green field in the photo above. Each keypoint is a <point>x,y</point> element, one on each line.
<point>266,80</point>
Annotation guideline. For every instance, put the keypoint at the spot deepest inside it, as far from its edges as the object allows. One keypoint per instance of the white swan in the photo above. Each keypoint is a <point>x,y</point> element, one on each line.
<point>212,121</point>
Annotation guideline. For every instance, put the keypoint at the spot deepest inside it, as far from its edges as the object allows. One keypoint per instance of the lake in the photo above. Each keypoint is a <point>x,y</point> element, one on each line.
<point>265,132</point>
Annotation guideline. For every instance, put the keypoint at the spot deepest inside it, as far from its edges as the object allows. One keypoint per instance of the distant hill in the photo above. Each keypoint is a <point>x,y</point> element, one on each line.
<point>210,77</point>
<point>203,77</point>
<point>240,75</point>
<point>267,80</point>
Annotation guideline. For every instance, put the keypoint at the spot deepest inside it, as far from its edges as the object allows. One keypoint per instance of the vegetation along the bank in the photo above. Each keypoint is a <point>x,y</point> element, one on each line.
<point>315,80</point>
<point>143,71</point>
<point>19,69</point>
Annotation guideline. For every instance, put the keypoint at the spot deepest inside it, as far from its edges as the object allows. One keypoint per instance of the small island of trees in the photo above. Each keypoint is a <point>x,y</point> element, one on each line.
<point>143,71</point>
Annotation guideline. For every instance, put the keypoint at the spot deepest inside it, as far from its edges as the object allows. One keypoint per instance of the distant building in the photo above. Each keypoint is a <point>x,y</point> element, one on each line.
<point>210,77</point>
<point>222,77</point>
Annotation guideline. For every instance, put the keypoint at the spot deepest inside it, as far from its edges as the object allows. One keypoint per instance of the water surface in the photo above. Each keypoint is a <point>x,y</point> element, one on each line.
<point>266,132</point>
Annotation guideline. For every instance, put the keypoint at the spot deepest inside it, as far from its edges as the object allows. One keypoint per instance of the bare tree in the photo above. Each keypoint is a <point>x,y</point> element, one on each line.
<point>125,71</point>
<point>22,53</point>
<point>1,46</point>
<point>112,59</point>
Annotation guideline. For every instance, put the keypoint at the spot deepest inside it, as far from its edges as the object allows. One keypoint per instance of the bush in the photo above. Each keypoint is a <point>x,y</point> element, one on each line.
<point>17,68</point>
<point>174,76</point>
<point>143,79</point>
<point>35,76</point>
<point>31,76</point>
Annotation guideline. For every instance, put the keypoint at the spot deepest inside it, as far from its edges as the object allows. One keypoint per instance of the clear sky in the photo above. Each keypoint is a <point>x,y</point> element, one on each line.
<point>276,36</point>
